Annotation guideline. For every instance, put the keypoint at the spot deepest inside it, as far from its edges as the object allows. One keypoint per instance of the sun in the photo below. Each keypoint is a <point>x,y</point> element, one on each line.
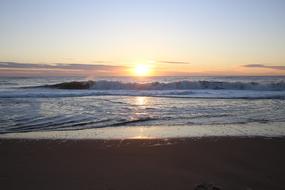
<point>142,70</point>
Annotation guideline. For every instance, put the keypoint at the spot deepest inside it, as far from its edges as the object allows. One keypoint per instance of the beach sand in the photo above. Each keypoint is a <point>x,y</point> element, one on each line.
<point>140,164</point>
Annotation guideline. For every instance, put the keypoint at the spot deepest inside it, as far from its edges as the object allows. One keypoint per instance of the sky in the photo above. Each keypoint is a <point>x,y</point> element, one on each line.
<point>170,37</point>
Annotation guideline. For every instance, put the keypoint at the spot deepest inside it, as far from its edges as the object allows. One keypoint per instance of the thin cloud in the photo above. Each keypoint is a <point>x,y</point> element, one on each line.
<point>72,66</point>
<point>277,67</point>
<point>174,62</point>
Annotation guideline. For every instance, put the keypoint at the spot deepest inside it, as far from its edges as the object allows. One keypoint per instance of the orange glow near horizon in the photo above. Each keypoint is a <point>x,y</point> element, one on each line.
<point>139,68</point>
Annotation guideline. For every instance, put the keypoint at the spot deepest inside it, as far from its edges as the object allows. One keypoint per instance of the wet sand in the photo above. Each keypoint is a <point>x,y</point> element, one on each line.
<point>226,163</point>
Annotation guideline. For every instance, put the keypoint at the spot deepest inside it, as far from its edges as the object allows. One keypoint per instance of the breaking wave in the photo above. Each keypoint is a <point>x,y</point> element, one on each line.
<point>179,89</point>
<point>179,85</point>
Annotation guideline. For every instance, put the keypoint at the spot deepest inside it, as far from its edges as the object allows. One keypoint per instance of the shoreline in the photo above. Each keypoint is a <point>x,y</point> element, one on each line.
<point>236,163</point>
<point>276,129</point>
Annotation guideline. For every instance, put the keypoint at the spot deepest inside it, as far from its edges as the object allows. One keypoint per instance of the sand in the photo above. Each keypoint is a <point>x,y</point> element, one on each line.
<point>173,164</point>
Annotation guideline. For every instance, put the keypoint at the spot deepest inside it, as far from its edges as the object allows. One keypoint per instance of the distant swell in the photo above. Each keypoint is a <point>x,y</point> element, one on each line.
<point>179,85</point>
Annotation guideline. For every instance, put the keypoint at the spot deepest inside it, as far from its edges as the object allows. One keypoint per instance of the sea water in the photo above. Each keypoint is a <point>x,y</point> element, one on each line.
<point>152,107</point>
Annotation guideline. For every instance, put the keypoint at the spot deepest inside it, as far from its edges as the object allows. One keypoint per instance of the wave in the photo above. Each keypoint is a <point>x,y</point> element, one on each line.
<point>202,94</point>
<point>179,85</point>
<point>66,124</point>
<point>179,89</point>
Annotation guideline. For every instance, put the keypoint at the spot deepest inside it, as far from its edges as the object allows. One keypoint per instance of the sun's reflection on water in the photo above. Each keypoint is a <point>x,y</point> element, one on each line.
<point>141,101</point>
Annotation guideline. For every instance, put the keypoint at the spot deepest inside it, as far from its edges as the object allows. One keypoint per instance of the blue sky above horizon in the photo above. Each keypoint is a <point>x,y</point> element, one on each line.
<point>213,36</point>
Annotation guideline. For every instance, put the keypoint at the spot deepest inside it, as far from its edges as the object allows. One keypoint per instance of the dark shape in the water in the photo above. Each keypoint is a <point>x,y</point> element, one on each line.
<point>73,85</point>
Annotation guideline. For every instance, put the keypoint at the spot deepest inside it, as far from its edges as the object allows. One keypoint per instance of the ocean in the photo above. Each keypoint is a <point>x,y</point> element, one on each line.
<point>122,107</point>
